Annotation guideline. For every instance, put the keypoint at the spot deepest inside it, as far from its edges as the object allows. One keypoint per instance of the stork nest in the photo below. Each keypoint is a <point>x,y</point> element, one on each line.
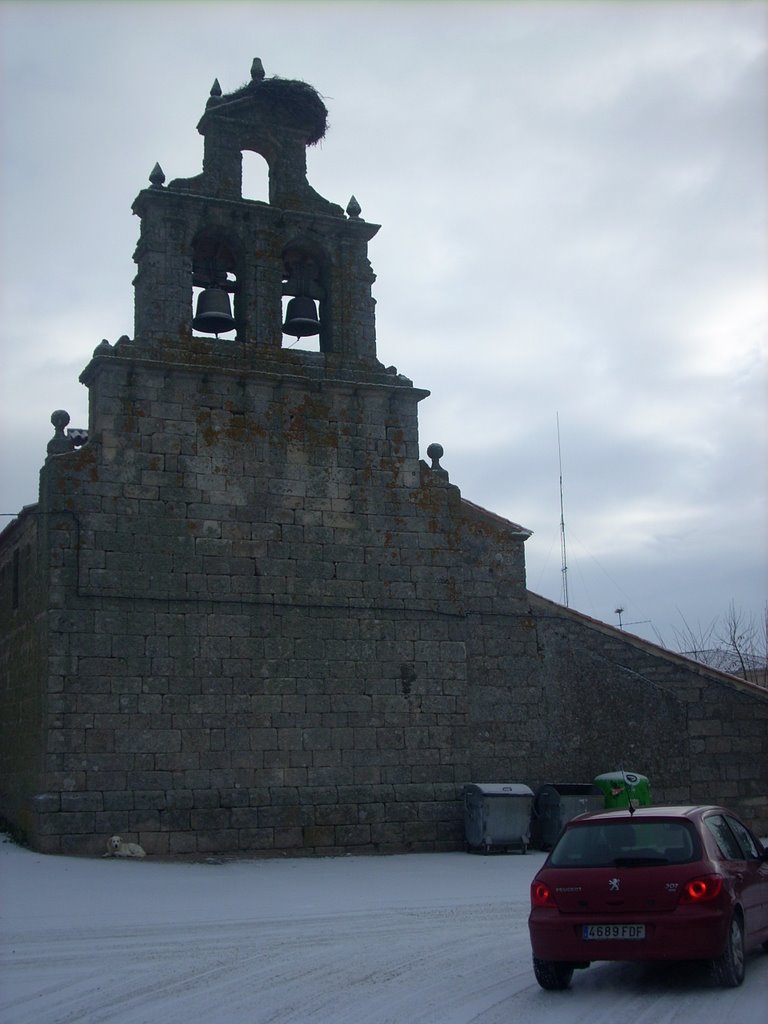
<point>293,103</point>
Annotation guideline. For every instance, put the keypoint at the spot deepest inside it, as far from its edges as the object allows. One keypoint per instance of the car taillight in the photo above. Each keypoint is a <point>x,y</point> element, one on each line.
<point>541,895</point>
<point>702,889</point>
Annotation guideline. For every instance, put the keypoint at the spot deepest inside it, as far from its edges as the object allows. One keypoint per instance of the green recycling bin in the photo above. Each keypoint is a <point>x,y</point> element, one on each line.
<point>619,788</point>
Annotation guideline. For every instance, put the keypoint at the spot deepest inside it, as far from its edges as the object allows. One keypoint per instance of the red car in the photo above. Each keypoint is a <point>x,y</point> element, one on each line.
<point>660,883</point>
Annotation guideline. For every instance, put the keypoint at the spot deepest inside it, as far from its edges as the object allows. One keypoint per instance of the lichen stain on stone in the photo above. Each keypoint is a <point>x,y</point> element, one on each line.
<point>131,410</point>
<point>207,431</point>
<point>492,532</point>
<point>241,430</point>
<point>397,440</point>
<point>308,422</point>
<point>430,499</point>
<point>82,464</point>
<point>393,466</point>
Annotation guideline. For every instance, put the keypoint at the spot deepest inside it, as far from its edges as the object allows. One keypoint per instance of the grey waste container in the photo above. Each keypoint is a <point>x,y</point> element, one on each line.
<point>555,803</point>
<point>497,815</point>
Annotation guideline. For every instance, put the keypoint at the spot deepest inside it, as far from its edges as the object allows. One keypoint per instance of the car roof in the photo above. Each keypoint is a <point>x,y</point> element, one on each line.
<point>689,811</point>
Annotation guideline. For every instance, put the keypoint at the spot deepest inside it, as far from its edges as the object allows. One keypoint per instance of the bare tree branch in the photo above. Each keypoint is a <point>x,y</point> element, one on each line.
<point>735,642</point>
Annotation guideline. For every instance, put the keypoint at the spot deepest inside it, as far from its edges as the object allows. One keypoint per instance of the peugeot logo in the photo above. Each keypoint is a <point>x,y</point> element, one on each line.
<point>613,885</point>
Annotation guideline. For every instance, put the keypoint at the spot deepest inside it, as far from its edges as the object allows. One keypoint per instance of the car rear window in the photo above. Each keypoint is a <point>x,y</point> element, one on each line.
<point>603,844</point>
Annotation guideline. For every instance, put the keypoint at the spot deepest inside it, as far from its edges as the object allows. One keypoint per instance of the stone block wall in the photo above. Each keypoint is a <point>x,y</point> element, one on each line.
<point>272,740</point>
<point>263,626</point>
<point>257,629</point>
<point>23,666</point>
<point>614,700</point>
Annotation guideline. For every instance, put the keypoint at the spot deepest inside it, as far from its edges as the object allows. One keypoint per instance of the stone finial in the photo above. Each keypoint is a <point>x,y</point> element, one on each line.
<point>157,177</point>
<point>257,70</point>
<point>353,208</point>
<point>435,452</point>
<point>60,443</point>
<point>103,348</point>
<point>215,95</point>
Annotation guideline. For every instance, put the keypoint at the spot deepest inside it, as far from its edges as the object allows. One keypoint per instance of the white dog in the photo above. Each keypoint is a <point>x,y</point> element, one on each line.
<point>117,848</point>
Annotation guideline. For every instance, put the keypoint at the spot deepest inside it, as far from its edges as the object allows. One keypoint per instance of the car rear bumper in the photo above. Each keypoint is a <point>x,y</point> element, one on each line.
<point>680,935</point>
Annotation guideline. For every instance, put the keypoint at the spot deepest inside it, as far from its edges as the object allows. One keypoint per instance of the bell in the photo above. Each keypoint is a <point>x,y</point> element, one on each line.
<point>214,314</point>
<point>301,318</point>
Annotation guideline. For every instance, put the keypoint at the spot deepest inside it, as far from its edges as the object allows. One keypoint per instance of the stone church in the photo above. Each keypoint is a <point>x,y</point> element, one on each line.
<point>245,615</point>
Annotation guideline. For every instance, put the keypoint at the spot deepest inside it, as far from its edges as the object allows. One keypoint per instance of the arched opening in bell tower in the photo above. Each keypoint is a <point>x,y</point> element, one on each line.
<point>255,180</point>
<point>214,284</point>
<point>304,323</point>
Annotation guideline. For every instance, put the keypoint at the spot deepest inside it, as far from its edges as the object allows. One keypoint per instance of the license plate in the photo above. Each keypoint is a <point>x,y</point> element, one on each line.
<point>613,931</point>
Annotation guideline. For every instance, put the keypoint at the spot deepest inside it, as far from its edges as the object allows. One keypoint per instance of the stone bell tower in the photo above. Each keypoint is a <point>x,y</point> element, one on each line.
<point>251,386</point>
<point>201,232</point>
<point>259,608</point>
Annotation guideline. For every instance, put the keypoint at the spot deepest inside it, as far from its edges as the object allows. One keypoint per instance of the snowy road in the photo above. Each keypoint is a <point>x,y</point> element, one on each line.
<point>422,939</point>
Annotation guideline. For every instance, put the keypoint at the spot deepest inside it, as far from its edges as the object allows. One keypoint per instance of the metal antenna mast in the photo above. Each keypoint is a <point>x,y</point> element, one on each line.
<point>563,559</point>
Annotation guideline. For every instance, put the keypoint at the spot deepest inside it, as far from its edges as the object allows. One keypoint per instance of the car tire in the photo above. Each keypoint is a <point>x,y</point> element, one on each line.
<point>552,975</point>
<point>728,968</point>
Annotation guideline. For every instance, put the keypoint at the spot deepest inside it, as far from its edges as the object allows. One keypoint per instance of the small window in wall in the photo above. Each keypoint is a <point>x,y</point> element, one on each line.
<point>255,177</point>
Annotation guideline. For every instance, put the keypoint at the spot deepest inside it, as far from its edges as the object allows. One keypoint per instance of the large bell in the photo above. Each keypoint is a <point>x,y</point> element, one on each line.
<point>214,313</point>
<point>301,318</point>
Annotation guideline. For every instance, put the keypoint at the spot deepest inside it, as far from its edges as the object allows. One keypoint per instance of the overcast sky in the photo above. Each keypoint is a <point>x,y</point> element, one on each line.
<point>574,224</point>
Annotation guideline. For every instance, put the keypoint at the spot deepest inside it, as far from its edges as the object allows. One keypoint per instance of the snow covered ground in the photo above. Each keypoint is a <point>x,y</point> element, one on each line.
<point>418,939</point>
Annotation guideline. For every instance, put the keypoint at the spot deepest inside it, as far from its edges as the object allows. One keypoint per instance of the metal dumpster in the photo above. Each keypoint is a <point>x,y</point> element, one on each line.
<point>555,803</point>
<point>620,787</point>
<point>497,816</point>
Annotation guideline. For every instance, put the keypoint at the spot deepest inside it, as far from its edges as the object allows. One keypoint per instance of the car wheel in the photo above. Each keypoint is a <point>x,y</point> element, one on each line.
<point>552,975</point>
<point>728,969</point>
